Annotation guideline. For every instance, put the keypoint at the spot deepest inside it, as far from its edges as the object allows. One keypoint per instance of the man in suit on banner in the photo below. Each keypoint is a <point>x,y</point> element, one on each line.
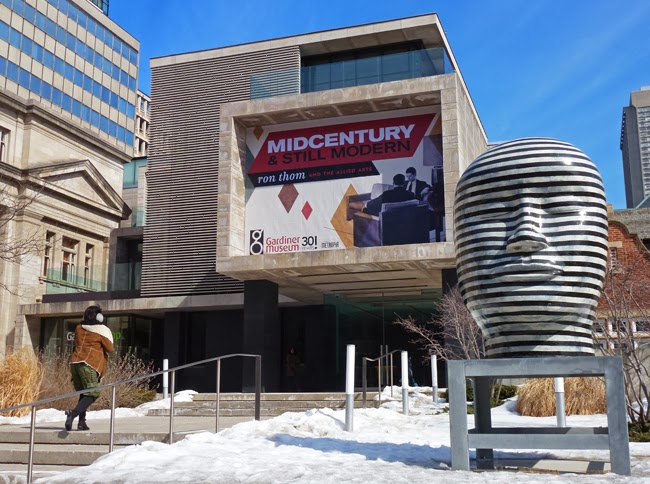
<point>395,194</point>
<point>419,188</point>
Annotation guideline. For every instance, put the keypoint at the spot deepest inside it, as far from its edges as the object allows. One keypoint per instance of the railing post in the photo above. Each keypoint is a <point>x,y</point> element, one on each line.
<point>171,408</point>
<point>112,424</point>
<point>218,395</point>
<point>560,410</point>
<point>364,379</point>
<point>391,375</point>
<point>165,378</point>
<point>434,377</point>
<point>349,388</point>
<point>258,386</point>
<point>30,457</point>
<point>405,383</point>
<point>379,384</point>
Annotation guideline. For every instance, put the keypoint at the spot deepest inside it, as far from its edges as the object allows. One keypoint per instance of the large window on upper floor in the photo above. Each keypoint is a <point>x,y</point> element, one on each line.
<point>372,65</point>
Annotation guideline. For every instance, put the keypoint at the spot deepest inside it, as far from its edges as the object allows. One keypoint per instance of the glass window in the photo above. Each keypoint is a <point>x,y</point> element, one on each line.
<point>14,38</point>
<point>46,91</point>
<point>66,102</point>
<point>130,111</point>
<point>26,45</point>
<point>59,66</point>
<point>121,133</point>
<point>50,28</point>
<point>113,100</point>
<point>4,139</point>
<point>103,123</point>
<point>88,83</point>
<point>35,84</point>
<point>133,57</point>
<point>106,65</point>
<point>47,253</point>
<point>106,94</point>
<point>68,71</point>
<point>78,77</point>
<point>39,21</point>
<point>112,128</point>
<point>132,83</point>
<point>85,113</point>
<point>70,41</point>
<point>30,13</point>
<point>63,7</point>
<point>3,66</point>
<point>94,118</point>
<point>48,59</point>
<point>12,71</point>
<point>4,31</point>
<point>56,96</point>
<point>115,71</point>
<point>76,108</point>
<point>91,26</point>
<point>121,105</point>
<point>19,7</point>
<point>72,12</point>
<point>97,89</point>
<point>23,78</point>
<point>37,52</point>
<point>61,35</point>
<point>82,19</point>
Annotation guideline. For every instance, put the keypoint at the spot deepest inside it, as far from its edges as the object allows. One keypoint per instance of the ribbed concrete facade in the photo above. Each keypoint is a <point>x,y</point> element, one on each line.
<point>180,237</point>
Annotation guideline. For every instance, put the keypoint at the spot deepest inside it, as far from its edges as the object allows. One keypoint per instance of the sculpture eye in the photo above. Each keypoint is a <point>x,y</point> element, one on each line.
<point>492,211</point>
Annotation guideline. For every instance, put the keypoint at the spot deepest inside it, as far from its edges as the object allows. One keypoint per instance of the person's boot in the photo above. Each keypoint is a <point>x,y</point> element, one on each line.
<point>82,425</point>
<point>70,416</point>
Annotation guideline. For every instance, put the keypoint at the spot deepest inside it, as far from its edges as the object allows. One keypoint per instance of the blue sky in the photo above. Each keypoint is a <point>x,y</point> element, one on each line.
<point>556,68</point>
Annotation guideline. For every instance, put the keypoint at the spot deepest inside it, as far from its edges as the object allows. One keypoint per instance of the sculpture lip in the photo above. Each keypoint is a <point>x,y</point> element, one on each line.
<point>527,271</point>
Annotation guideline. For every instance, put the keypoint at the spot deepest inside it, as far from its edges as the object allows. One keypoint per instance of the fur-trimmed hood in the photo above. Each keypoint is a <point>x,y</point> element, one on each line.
<point>100,329</point>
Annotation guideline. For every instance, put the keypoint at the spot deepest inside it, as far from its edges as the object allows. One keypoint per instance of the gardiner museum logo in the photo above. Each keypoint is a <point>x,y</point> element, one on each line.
<point>256,242</point>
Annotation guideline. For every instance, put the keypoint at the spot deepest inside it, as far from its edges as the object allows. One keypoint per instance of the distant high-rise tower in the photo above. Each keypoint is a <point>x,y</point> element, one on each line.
<point>635,145</point>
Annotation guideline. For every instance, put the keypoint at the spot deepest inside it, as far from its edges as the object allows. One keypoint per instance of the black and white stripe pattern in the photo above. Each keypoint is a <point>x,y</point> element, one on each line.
<point>531,247</point>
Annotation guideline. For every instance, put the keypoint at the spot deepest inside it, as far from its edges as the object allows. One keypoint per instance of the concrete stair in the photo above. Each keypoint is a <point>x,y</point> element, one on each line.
<point>271,404</point>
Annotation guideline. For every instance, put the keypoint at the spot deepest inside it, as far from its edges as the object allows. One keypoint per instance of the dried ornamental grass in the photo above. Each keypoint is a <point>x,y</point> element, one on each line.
<point>582,396</point>
<point>21,375</point>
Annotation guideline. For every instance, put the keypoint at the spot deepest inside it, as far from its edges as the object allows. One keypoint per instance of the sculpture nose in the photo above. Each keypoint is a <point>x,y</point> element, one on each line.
<point>527,236</point>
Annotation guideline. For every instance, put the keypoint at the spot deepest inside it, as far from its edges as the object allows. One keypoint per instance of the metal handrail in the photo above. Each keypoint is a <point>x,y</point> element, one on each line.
<point>113,386</point>
<point>364,376</point>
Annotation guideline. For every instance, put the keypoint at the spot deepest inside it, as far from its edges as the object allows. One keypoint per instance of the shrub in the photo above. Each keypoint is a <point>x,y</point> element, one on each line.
<point>120,367</point>
<point>499,394</point>
<point>20,379</point>
<point>583,396</point>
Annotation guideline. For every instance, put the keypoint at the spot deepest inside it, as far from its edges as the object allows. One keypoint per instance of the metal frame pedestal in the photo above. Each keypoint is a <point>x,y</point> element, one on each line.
<point>484,438</point>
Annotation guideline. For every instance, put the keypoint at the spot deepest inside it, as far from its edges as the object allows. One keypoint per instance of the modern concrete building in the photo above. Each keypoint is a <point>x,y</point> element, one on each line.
<point>264,227</point>
<point>635,145</point>
<point>142,123</point>
<point>67,107</point>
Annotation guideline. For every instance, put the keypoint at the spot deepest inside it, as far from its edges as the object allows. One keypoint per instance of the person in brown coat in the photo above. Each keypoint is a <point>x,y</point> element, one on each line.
<point>93,341</point>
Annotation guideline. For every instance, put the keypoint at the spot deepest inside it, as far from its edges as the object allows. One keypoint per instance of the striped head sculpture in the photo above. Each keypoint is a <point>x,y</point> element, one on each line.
<point>531,247</point>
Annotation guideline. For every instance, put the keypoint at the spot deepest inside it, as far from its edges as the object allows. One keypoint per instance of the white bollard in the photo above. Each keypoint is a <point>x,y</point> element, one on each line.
<point>434,377</point>
<point>560,409</point>
<point>349,388</point>
<point>165,378</point>
<point>405,382</point>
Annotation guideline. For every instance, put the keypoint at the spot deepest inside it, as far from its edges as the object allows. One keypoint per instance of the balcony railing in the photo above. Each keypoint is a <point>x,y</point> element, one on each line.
<point>122,277</point>
<point>353,72</point>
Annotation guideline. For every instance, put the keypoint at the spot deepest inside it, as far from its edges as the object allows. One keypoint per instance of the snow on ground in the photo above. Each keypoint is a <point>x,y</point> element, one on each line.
<point>313,447</point>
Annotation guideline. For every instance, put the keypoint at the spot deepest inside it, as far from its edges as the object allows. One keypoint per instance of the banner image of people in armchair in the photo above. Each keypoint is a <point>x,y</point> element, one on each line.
<point>355,181</point>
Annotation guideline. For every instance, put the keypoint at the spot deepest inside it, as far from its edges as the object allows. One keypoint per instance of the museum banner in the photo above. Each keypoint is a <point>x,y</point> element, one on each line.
<point>336,183</point>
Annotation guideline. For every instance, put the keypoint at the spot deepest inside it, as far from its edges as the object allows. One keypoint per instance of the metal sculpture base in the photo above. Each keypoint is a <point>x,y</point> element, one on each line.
<point>484,438</point>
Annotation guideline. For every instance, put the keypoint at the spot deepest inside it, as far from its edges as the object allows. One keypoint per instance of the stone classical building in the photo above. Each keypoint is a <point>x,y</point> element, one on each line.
<point>299,195</point>
<point>67,102</point>
<point>635,145</point>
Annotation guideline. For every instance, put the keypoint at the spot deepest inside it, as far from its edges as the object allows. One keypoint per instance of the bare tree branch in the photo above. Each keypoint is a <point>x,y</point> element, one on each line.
<point>452,334</point>
<point>624,329</point>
